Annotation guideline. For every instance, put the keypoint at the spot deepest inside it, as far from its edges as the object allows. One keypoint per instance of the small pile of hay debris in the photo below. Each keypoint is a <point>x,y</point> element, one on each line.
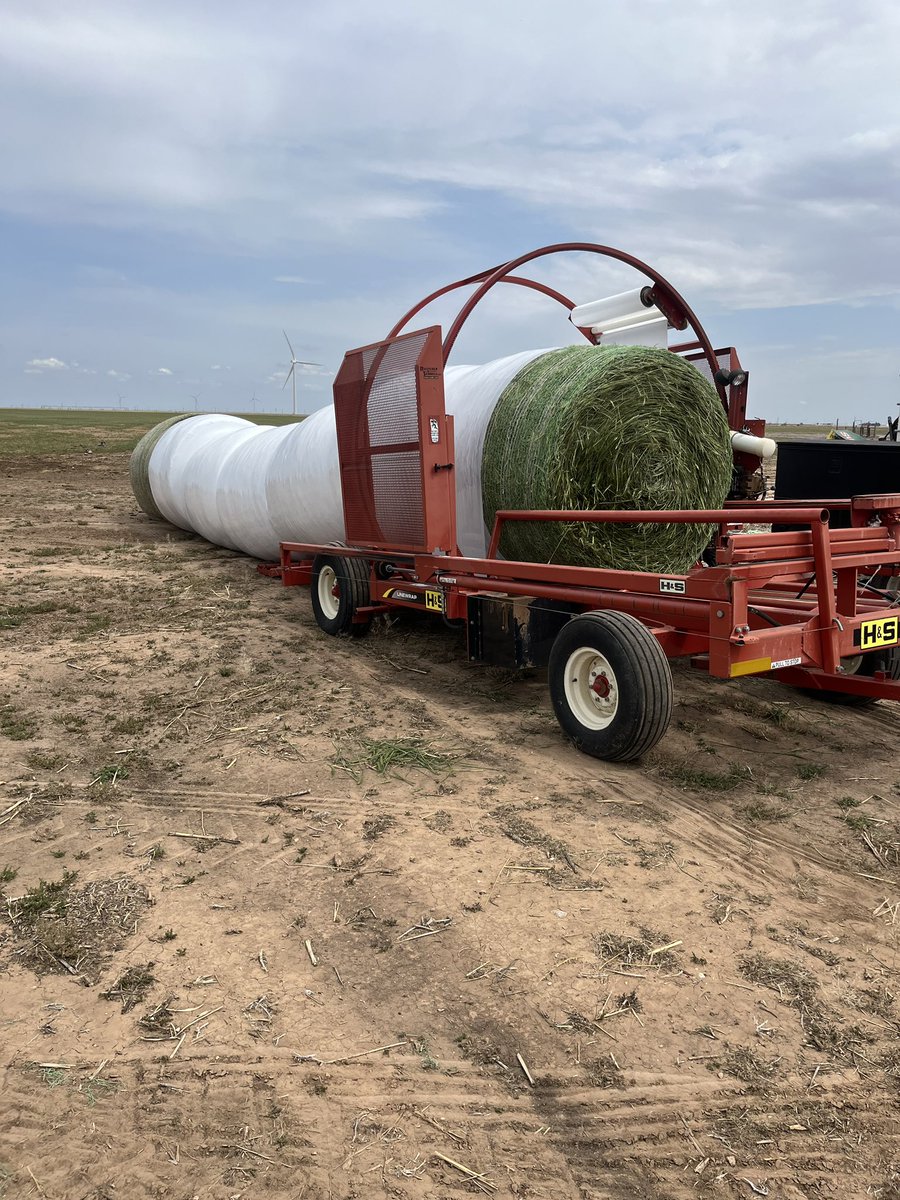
<point>64,928</point>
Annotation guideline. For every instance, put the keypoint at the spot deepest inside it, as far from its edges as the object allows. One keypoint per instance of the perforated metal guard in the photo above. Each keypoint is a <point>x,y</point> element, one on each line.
<point>385,397</point>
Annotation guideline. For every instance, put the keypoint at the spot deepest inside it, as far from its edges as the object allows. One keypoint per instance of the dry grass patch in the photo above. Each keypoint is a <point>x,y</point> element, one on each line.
<point>649,949</point>
<point>691,778</point>
<point>797,987</point>
<point>64,928</point>
<point>159,1020</point>
<point>386,755</point>
<point>746,1064</point>
<point>793,983</point>
<point>519,829</point>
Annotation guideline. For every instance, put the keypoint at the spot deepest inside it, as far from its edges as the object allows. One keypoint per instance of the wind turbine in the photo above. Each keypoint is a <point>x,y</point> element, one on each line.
<point>292,374</point>
<point>196,399</point>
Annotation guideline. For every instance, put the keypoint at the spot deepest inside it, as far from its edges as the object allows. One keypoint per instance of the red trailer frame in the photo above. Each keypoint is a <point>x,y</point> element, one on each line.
<point>799,604</point>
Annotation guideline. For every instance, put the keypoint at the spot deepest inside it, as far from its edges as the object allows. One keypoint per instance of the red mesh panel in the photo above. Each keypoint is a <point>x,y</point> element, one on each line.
<point>397,487</point>
<point>377,414</point>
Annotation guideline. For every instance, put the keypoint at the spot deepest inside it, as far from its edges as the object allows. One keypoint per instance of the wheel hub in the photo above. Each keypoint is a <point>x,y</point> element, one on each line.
<point>329,590</point>
<point>591,688</point>
<point>600,685</point>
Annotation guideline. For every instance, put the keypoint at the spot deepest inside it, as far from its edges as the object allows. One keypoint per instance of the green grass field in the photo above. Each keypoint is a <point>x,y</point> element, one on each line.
<point>75,431</point>
<point>794,432</point>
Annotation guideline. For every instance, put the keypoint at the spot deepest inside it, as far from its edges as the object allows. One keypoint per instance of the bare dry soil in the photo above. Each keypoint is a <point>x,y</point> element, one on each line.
<point>286,916</point>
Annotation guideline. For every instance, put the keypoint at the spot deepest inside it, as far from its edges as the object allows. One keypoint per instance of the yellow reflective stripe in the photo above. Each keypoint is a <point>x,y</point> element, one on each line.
<point>751,667</point>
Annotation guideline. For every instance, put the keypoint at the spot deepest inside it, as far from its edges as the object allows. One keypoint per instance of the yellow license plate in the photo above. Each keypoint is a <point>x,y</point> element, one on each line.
<point>883,632</point>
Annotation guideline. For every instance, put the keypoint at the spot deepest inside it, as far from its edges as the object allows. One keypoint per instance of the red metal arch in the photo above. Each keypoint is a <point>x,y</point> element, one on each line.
<point>666,297</point>
<point>482,275</point>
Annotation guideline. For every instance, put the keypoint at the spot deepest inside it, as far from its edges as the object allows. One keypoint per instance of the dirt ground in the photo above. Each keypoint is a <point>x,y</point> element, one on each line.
<point>237,960</point>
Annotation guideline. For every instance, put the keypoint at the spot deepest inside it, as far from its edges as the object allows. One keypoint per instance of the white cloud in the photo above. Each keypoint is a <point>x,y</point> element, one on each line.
<point>718,186</point>
<point>163,371</point>
<point>119,376</point>
<point>36,365</point>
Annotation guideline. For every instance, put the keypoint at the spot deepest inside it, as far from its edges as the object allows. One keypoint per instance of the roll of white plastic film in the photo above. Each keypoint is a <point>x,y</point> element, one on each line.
<point>613,308</point>
<point>747,443</point>
<point>645,333</point>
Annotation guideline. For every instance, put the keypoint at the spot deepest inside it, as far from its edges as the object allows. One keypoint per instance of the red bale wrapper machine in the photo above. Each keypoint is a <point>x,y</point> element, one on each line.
<point>804,603</point>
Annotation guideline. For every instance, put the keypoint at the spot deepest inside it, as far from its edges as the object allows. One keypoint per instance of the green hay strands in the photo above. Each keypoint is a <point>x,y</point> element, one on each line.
<point>139,465</point>
<point>623,427</point>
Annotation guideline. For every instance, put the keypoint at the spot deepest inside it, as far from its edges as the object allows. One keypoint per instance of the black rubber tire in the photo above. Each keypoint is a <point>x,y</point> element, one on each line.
<point>642,674</point>
<point>887,660</point>
<point>352,576</point>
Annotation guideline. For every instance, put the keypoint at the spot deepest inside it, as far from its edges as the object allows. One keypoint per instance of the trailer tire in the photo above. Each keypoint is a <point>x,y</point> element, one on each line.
<point>610,685</point>
<point>876,660</point>
<point>339,587</point>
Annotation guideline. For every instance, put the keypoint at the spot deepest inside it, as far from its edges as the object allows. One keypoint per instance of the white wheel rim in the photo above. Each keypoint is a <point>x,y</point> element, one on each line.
<point>592,691</point>
<point>328,585</point>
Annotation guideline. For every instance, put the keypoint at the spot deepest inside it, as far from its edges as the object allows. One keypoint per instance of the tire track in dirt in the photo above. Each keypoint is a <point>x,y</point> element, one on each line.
<point>601,1127</point>
<point>776,861</point>
<point>293,805</point>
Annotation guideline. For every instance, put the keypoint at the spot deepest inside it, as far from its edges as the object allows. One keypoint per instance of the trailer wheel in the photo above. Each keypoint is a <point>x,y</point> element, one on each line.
<point>340,586</point>
<point>862,664</point>
<point>610,685</point>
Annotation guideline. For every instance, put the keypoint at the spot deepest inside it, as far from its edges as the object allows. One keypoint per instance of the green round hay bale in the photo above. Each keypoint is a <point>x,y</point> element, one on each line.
<point>624,427</point>
<point>139,466</point>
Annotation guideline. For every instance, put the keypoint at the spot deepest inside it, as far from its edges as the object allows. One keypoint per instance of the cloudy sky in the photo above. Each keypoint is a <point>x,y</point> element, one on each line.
<point>182,180</point>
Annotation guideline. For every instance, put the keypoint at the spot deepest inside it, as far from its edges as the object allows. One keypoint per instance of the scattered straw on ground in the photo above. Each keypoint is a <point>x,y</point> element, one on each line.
<point>64,928</point>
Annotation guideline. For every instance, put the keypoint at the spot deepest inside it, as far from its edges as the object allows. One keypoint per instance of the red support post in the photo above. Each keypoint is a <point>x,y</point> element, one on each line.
<point>827,615</point>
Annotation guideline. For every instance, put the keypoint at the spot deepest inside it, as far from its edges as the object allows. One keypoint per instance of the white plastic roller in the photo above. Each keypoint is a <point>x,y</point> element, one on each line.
<point>748,443</point>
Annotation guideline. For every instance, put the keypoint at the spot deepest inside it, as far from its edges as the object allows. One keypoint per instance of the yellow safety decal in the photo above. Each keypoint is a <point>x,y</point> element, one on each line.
<point>885,631</point>
<point>752,666</point>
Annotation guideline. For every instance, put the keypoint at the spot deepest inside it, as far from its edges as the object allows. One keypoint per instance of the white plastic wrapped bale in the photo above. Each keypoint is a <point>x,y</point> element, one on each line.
<point>170,465</point>
<point>249,487</point>
<point>211,477</point>
<point>303,483</point>
<point>243,507</point>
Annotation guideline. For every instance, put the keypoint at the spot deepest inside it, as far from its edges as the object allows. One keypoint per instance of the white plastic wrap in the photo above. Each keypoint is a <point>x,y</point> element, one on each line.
<point>202,491</point>
<point>747,443</point>
<point>470,396</point>
<point>241,489</point>
<point>303,485</point>
<point>171,463</point>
